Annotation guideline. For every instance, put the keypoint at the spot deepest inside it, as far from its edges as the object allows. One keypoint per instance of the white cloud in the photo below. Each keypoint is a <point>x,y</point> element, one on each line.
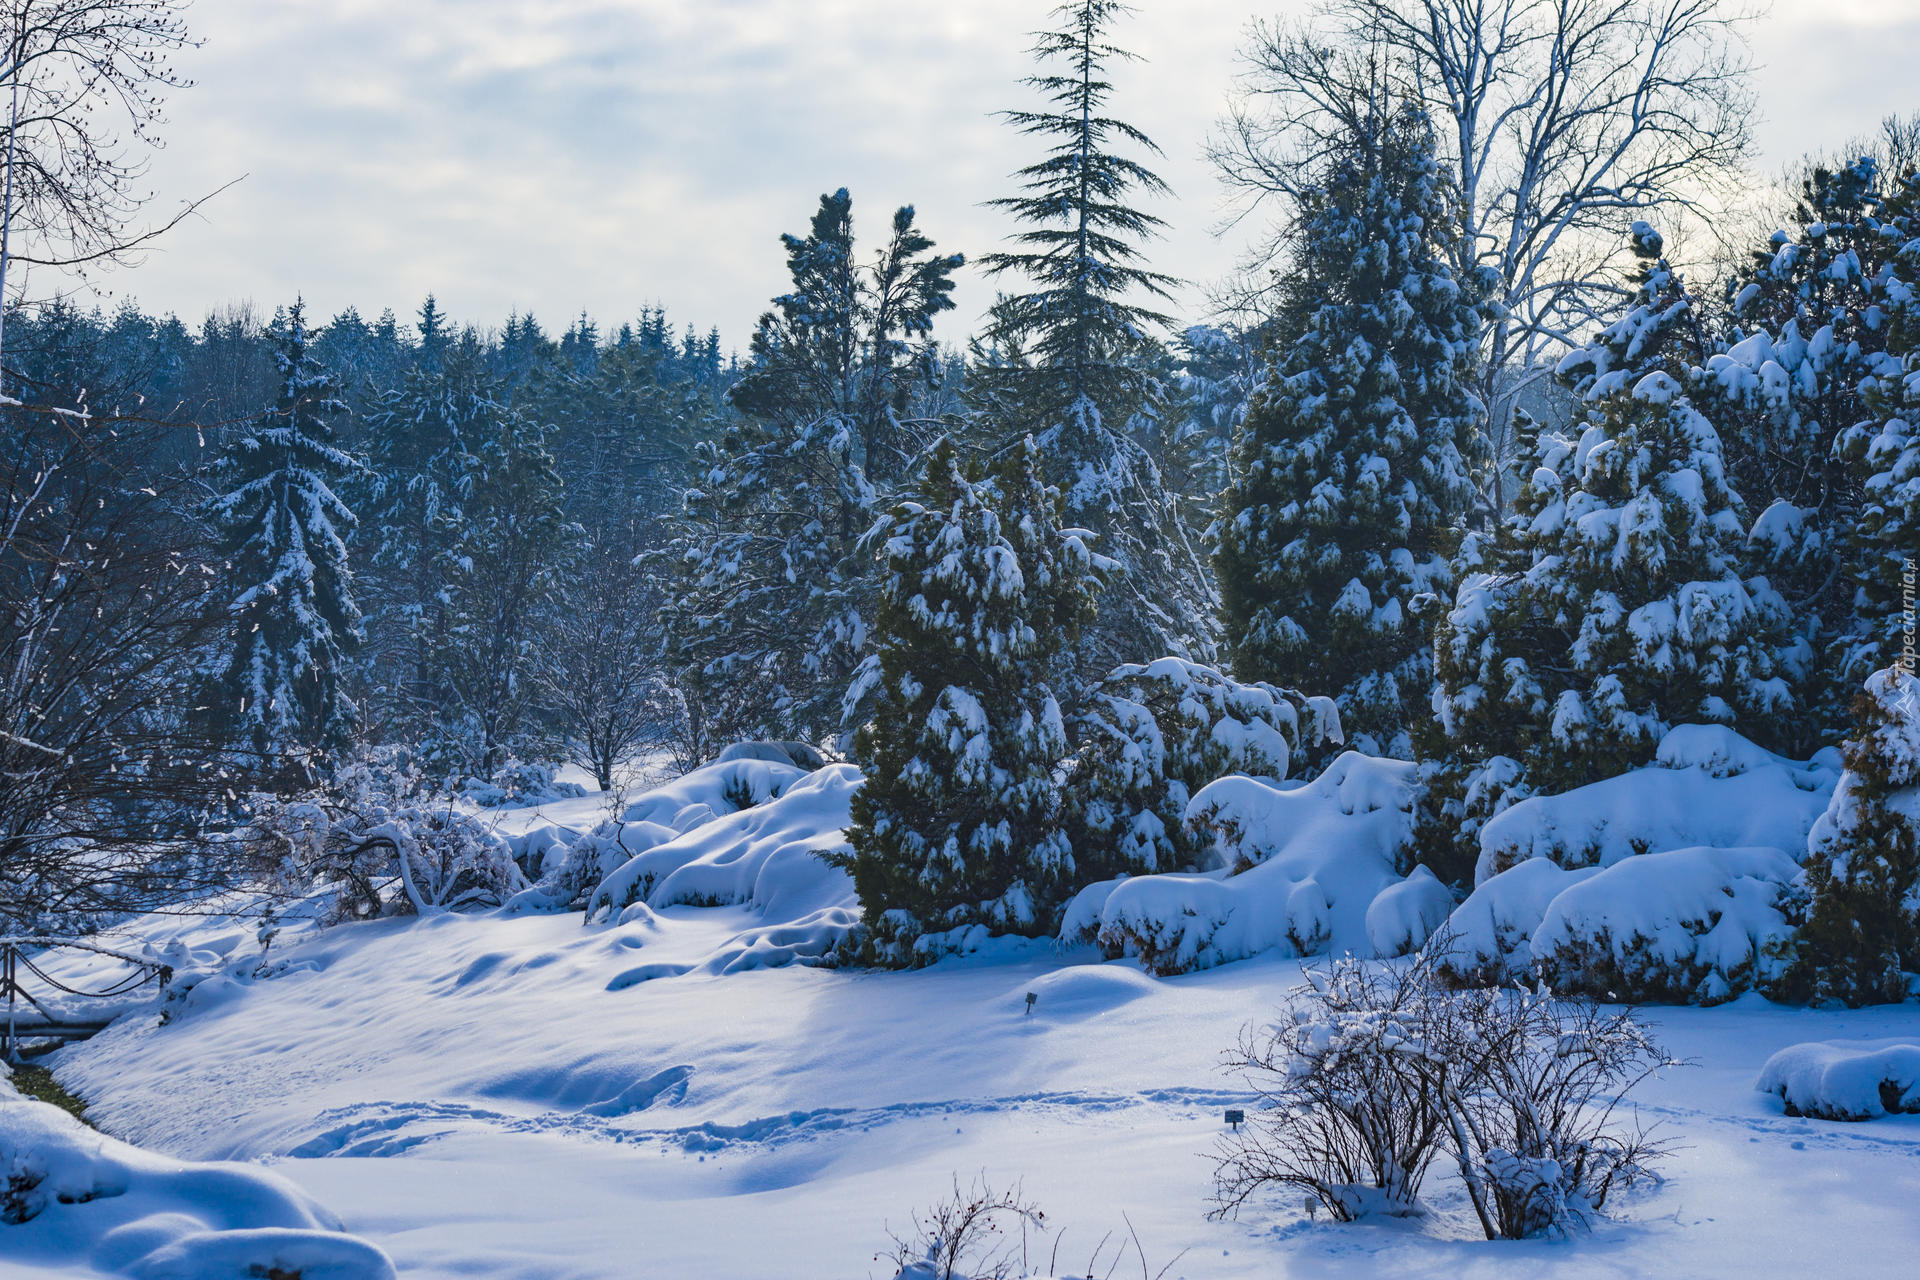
<point>605,154</point>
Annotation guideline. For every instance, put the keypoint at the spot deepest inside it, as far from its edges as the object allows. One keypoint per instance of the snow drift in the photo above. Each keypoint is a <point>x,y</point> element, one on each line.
<point>1845,1081</point>
<point>82,1203</point>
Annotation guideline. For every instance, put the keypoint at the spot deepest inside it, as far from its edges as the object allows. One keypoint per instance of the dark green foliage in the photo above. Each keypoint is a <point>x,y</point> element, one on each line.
<point>1351,471</point>
<point>960,826</point>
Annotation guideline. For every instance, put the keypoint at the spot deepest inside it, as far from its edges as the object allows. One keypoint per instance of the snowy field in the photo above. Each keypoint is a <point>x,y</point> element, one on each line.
<point>666,1086</point>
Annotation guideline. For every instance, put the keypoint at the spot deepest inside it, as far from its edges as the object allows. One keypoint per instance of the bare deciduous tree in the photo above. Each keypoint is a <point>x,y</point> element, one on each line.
<point>1564,121</point>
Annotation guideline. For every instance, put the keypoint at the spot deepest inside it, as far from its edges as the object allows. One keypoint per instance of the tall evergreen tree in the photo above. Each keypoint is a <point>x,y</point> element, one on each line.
<point>960,824</point>
<point>769,613</point>
<point>1070,359</point>
<point>1611,607</point>
<point>282,685</point>
<point>1351,471</point>
<point>1809,332</point>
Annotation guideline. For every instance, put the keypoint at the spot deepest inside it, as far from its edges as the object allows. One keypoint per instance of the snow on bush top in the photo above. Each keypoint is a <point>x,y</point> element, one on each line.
<point>1710,786</point>
<point>723,787</point>
<point>1306,865</point>
<point>767,856</point>
<point>77,1202</point>
<point>1854,1081</point>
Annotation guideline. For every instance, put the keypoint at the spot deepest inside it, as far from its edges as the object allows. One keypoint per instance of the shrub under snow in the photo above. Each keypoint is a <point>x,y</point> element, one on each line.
<point>1707,786</point>
<point>1306,864</point>
<point>1845,1081</point>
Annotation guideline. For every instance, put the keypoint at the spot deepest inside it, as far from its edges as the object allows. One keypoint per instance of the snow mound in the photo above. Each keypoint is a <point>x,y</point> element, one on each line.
<point>1709,786</point>
<point>1080,991</point>
<point>1695,926</point>
<point>724,787</point>
<point>768,857</point>
<point>1403,916</point>
<point>1305,865</point>
<point>80,1203</point>
<point>1845,1081</point>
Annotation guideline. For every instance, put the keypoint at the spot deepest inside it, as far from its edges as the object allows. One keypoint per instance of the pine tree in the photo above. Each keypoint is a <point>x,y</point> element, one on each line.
<point>959,826</point>
<point>1859,933</point>
<point>770,612</point>
<point>1071,359</point>
<point>424,440</point>
<point>1611,606</point>
<point>1809,331</point>
<point>1351,475</point>
<point>293,618</point>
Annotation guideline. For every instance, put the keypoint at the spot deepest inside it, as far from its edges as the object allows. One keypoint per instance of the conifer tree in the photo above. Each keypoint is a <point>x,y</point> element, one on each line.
<point>1070,358</point>
<point>294,623</point>
<point>1611,606</point>
<point>960,824</point>
<point>1808,335</point>
<point>770,612</point>
<point>424,441</point>
<point>1351,471</point>
<point>1859,931</point>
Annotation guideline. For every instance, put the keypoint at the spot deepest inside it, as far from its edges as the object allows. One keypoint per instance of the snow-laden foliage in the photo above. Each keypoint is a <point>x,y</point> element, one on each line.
<point>1612,606</point>
<point>1859,939</point>
<point>1070,355</point>
<point>772,607</point>
<point>381,843</point>
<point>1304,869</point>
<point>1706,786</point>
<point>519,783</point>
<point>1850,1081</point>
<point>1374,1072</point>
<point>1350,473</point>
<point>282,685</point>
<point>1675,883</point>
<point>1804,362</point>
<point>1152,734</point>
<point>76,1202</point>
<point>962,820</point>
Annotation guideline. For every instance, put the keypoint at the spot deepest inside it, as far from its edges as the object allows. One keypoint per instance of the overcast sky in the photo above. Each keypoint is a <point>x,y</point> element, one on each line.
<point>555,155</point>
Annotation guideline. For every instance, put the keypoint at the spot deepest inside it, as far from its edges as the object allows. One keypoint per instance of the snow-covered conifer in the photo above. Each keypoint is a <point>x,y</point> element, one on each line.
<point>1351,475</point>
<point>1072,357</point>
<point>1611,606</point>
<point>1859,935</point>
<point>960,827</point>
<point>294,622</point>
<point>771,610</point>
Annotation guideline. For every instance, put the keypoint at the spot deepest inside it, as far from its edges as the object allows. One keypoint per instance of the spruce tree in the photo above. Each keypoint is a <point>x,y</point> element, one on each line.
<point>1809,332</point>
<point>293,621</point>
<point>1351,471</point>
<point>1611,606</point>
<point>1071,357</point>
<point>1858,939</point>
<point>770,609</point>
<point>424,441</point>
<point>960,824</point>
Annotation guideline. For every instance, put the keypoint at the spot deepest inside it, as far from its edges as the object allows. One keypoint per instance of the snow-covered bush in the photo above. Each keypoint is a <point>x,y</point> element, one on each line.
<point>518,784</point>
<point>1304,866</point>
<point>381,847</point>
<point>1377,1071</point>
<point>1693,926</point>
<point>1153,734</point>
<point>1859,937</point>
<point>977,1233</point>
<point>1707,786</point>
<point>1845,1081</point>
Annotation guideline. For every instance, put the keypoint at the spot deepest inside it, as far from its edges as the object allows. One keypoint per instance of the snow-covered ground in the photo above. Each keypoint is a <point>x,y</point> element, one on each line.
<point>664,1087</point>
<point>468,1093</point>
